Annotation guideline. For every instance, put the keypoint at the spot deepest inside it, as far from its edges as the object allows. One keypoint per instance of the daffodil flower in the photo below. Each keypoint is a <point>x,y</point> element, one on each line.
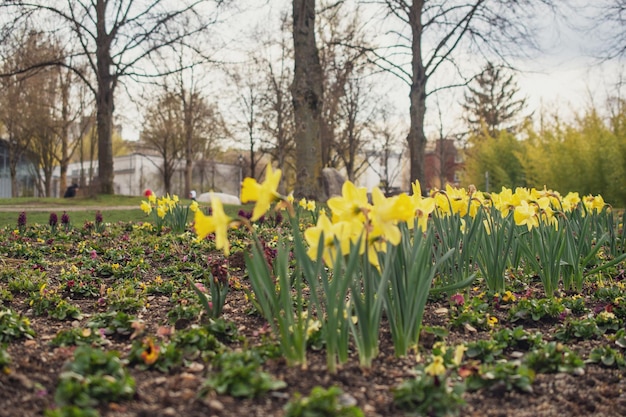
<point>217,223</point>
<point>343,232</point>
<point>350,205</point>
<point>263,194</point>
<point>146,207</point>
<point>526,215</point>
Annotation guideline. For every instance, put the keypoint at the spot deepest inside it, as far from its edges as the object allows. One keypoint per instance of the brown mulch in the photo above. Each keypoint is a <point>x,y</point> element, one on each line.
<point>29,388</point>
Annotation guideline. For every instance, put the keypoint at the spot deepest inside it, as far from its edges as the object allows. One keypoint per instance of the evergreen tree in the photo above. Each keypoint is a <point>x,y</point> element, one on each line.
<point>491,104</point>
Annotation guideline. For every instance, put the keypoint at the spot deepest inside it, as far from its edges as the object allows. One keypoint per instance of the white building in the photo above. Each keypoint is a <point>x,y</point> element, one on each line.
<point>135,173</point>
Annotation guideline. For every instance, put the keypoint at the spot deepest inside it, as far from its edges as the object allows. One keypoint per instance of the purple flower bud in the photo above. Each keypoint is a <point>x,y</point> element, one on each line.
<point>53,220</point>
<point>65,218</point>
<point>21,219</point>
<point>98,217</point>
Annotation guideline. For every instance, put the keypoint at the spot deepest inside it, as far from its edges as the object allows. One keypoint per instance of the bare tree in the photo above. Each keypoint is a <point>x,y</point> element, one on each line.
<point>249,96</point>
<point>355,118</point>
<point>277,121</point>
<point>307,96</point>
<point>383,156</point>
<point>609,22</point>
<point>117,39</point>
<point>164,133</point>
<point>23,104</point>
<point>340,28</point>
<point>434,35</point>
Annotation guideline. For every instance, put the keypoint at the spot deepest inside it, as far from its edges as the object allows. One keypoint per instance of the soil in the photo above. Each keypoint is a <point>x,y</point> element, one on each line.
<point>28,389</point>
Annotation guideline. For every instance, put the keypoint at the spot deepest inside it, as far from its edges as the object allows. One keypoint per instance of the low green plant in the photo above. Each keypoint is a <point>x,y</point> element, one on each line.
<point>536,309</point>
<point>26,281</point>
<point>197,342</point>
<point>125,297</point>
<point>14,326</point>
<point>188,312</point>
<point>72,411</point>
<point>608,357</point>
<point>607,321</point>
<point>150,354</point>
<point>576,304</point>
<point>619,338</point>
<point>430,395</point>
<point>77,337</point>
<point>509,375</point>
<point>5,295</point>
<point>518,338</point>
<point>485,350</point>
<point>583,329</point>
<point>474,313</point>
<point>93,377</point>
<point>225,330</point>
<point>5,359</point>
<point>554,357</point>
<point>321,403</point>
<point>113,323</point>
<point>239,374</point>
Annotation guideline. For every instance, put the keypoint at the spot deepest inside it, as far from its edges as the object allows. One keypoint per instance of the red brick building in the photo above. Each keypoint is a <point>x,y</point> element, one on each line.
<point>443,164</point>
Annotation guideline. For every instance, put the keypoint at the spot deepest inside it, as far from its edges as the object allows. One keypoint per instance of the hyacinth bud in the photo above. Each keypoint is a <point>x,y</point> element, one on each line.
<point>65,218</point>
<point>21,219</point>
<point>98,217</point>
<point>53,220</point>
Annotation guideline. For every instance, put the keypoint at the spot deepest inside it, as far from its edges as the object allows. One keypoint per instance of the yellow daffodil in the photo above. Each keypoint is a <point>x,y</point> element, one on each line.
<point>350,205</point>
<point>421,207</point>
<point>384,216</point>
<point>594,203</point>
<point>263,194</point>
<point>146,207</point>
<point>459,200</point>
<point>570,201</point>
<point>217,223</point>
<point>194,206</point>
<point>526,214</point>
<point>342,232</point>
<point>161,210</point>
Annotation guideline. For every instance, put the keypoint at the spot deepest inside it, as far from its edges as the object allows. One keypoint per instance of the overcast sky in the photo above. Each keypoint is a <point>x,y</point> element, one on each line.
<point>563,78</point>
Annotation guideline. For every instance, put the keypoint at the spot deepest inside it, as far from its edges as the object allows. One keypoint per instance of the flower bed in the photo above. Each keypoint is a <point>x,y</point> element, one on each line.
<point>287,312</point>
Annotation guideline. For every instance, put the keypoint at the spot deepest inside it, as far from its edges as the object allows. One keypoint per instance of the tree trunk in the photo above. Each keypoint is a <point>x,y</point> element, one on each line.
<point>188,111</point>
<point>13,173</point>
<point>416,139</point>
<point>306,92</point>
<point>104,102</point>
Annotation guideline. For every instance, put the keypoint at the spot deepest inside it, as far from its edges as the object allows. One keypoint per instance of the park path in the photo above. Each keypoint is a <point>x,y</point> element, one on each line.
<point>31,208</point>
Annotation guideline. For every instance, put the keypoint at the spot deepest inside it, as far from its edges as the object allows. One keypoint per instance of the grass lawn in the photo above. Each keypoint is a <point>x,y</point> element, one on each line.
<point>114,208</point>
